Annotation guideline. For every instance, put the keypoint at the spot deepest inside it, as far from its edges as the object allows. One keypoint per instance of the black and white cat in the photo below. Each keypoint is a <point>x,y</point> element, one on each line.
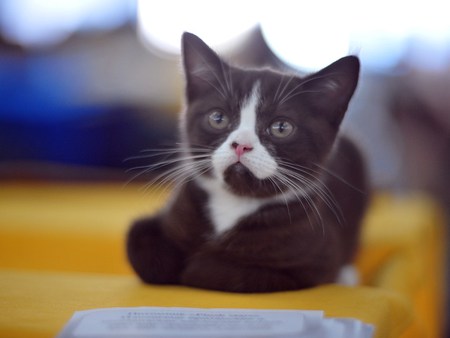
<point>269,195</point>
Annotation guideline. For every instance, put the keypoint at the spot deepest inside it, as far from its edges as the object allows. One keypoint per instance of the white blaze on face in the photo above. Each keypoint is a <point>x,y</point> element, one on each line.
<point>226,208</point>
<point>258,160</point>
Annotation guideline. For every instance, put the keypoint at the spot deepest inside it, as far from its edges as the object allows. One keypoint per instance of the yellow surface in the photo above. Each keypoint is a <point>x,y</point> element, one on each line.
<point>71,227</point>
<point>61,250</point>
<point>46,301</point>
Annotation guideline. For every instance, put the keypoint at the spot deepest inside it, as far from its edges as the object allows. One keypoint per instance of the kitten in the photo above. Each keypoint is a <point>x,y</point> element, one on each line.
<point>270,197</point>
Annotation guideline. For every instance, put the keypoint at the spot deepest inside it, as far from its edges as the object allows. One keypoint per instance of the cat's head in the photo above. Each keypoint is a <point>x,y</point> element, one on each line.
<point>263,132</point>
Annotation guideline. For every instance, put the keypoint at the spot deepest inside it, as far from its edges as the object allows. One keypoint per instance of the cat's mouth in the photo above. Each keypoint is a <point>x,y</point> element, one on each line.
<point>243,182</point>
<point>239,178</point>
<point>239,170</point>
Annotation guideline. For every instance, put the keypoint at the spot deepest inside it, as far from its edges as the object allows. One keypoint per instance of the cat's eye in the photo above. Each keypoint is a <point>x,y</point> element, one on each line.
<point>218,120</point>
<point>281,128</point>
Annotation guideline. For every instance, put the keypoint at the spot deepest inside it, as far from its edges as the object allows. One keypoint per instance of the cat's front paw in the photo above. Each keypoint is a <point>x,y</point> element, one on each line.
<point>209,272</point>
<point>152,255</point>
<point>348,275</point>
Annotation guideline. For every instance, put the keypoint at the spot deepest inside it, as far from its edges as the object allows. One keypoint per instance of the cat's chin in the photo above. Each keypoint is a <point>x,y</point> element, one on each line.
<point>241,181</point>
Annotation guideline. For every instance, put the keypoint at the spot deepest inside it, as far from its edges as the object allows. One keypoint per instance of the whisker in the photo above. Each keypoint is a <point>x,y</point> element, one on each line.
<point>212,71</point>
<point>279,96</point>
<point>176,162</point>
<point>292,93</point>
<point>176,149</point>
<point>314,183</point>
<point>136,176</point>
<point>221,90</point>
<point>155,152</point>
<point>192,175</point>
<point>275,96</point>
<point>278,188</point>
<point>328,171</point>
<point>165,163</point>
<point>226,77</point>
<point>318,77</point>
<point>179,174</point>
<point>323,192</point>
<point>295,189</point>
<point>288,97</point>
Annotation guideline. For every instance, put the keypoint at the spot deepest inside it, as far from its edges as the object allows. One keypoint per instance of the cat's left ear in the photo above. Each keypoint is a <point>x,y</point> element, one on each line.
<point>333,87</point>
<point>202,66</point>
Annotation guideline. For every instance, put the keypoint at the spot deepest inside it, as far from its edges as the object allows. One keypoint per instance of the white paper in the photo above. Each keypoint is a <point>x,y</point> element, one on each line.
<point>159,322</point>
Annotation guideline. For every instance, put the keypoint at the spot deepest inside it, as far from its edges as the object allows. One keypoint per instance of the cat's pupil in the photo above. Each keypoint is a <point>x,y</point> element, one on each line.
<point>218,120</point>
<point>281,129</point>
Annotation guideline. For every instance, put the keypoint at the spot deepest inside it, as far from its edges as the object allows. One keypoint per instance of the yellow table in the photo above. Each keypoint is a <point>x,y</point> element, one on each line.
<point>61,250</point>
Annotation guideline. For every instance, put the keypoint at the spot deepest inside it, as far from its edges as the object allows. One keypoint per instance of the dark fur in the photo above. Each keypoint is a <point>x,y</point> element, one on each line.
<point>282,246</point>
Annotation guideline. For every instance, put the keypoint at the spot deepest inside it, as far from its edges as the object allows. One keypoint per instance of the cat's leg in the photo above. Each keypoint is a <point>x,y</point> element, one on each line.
<point>210,272</point>
<point>153,256</point>
<point>348,275</point>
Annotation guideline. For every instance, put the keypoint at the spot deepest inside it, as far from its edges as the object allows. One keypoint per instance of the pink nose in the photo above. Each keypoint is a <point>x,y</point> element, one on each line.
<point>240,149</point>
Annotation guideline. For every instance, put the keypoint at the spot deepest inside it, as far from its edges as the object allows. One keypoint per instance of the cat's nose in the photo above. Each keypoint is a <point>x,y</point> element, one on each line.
<point>240,149</point>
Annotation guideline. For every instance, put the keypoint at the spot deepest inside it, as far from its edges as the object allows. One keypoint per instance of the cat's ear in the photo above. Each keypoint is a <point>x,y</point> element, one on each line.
<point>333,87</point>
<point>202,66</point>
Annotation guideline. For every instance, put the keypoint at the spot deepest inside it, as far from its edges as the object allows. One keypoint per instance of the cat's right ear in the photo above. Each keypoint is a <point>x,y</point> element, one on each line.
<point>202,66</point>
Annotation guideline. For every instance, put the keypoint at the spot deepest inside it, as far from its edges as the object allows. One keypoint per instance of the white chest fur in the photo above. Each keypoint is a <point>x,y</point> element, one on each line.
<point>225,208</point>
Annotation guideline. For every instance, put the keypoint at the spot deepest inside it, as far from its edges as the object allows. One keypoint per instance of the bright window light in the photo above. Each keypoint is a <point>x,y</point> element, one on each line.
<point>40,23</point>
<point>388,31</point>
<point>308,36</point>
<point>162,23</point>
